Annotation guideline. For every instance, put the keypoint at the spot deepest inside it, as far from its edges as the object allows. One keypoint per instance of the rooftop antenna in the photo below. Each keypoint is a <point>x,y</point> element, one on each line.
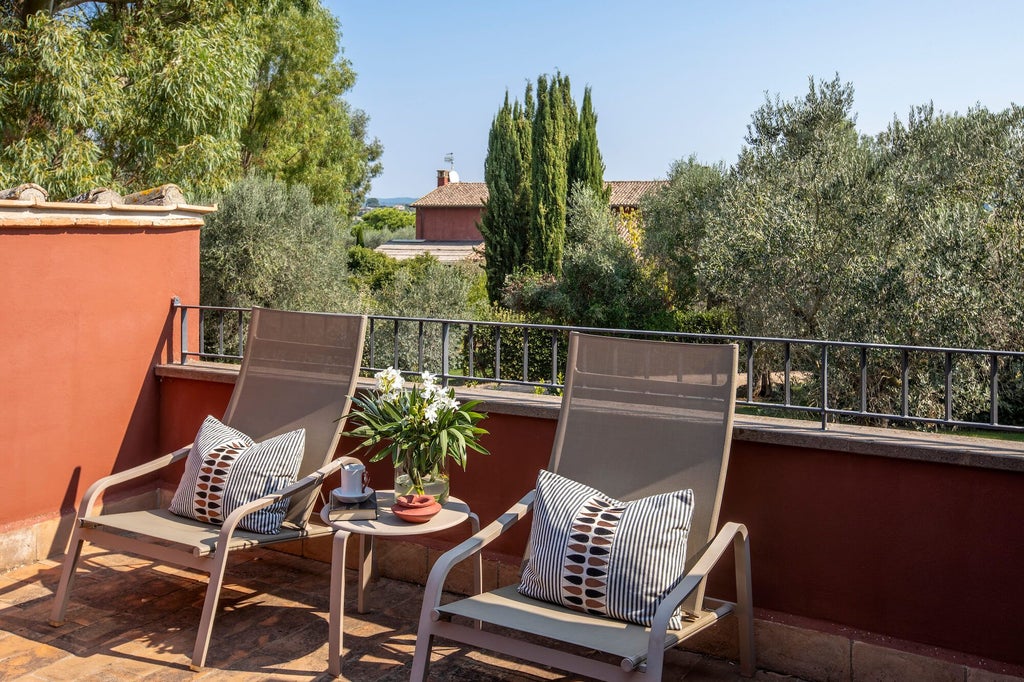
<point>449,158</point>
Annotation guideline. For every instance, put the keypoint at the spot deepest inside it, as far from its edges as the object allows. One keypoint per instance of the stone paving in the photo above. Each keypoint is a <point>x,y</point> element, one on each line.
<point>129,619</point>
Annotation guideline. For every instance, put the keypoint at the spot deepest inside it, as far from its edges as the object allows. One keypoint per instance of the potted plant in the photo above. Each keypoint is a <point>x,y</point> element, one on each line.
<point>421,427</point>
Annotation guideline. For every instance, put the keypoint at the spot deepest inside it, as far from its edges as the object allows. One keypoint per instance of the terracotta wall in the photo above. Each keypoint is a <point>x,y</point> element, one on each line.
<point>914,550</point>
<point>448,224</point>
<point>85,314</point>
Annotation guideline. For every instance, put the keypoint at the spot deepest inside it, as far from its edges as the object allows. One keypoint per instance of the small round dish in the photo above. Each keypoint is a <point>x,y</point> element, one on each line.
<point>339,496</point>
<point>416,514</point>
<point>414,501</point>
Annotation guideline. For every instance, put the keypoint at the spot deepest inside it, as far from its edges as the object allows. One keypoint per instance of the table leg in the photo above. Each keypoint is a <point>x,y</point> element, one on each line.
<point>365,568</point>
<point>337,615</point>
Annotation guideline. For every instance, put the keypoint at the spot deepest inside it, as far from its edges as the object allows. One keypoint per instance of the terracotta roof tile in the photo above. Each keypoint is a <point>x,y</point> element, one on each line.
<point>629,192</point>
<point>455,194</point>
<point>474,194</point>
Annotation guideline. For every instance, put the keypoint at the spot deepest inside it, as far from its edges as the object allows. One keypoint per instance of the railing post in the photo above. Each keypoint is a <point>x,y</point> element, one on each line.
<point>184,329</point>
<point>750,371</point>
<point>949,387</point>
<point>445,329</point>
<point>993,382</point>
<point>526,354</point>
<point>788,360</point>
<point>824,386</point>
<point>905,384</point>
<point>863,379</point>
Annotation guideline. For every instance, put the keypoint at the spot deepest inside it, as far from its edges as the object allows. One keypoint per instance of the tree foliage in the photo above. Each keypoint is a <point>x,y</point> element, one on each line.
<point>388,218</point>
<point>269,245</point>
<point>504,224</point>
<point>549,178</point>
<point>300,128</point>
<point>585,164</point>
<point>135,94</point>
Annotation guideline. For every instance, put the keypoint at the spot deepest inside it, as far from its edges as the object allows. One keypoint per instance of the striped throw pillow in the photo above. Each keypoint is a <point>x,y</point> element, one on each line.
<point>598,555</point>
<point>226,469</point>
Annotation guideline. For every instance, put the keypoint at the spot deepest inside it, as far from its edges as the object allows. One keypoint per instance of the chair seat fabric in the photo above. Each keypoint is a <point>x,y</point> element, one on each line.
<point>508,608</point>
<point>201,538</point>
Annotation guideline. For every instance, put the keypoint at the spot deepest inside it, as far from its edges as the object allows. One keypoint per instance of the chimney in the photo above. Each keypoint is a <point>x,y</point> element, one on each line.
<point>443,177</point>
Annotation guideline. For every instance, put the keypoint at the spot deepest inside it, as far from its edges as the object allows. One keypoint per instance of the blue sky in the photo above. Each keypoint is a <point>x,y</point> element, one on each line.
<point>669,79</point>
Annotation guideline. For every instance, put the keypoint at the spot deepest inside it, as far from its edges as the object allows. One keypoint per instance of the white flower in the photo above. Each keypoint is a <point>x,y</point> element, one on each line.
<point>430,414</point>
<point>389,380</point>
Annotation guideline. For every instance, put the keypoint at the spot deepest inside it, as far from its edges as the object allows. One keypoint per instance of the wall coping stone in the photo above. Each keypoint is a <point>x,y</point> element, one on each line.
<point>971,451</point>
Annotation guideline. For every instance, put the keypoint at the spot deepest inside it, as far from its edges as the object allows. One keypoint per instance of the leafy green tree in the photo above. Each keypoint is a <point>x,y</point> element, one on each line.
<point>269,245</point>
<point>674,224</point>
<point>603,284</point>
<point>549,178</point>
<point>300,128</point>
<point>585,164</point>
<point>135,94</point>
<point>388,219</point>
<point>782,249</point>
<point>104,94</point>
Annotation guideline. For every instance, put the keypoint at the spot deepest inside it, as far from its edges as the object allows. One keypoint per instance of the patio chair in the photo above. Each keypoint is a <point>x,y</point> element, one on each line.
<point>298,372</point>
<point>638,418</point>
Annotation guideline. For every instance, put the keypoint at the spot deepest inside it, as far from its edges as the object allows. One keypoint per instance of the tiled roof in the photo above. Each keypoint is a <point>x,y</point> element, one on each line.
<point>446,252</point>
<point>28,206</point>
<point>455,195</point>
<point>629,192</point>
<point>474,194</point>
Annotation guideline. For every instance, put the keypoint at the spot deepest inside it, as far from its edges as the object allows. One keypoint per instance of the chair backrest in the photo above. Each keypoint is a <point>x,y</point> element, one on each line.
<point>641,417</point>
<point>299,370</point>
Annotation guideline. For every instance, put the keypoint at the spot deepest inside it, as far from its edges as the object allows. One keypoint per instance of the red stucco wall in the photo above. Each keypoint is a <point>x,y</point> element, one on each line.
<point>85,314</point>
<point>914,550</point>
<point>448,224</point>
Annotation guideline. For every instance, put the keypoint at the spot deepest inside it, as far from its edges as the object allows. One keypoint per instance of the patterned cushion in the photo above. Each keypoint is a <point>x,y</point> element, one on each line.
<point>226,469</point>
<point>598,555</point>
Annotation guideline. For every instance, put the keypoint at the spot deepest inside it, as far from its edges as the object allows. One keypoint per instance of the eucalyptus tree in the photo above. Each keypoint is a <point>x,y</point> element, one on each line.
<point>134,94</point>
<point>300,128</point>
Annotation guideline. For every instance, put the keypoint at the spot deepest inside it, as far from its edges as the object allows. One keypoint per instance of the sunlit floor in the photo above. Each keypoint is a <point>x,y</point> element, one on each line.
<point>130,619</point>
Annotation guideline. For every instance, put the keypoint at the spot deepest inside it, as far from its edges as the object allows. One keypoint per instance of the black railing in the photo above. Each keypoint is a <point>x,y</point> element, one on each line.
<point>828,381</point>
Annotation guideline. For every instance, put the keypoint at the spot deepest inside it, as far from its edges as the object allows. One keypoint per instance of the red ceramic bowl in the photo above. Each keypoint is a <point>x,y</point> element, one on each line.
<point>416,514</point>
<point>414,501</point>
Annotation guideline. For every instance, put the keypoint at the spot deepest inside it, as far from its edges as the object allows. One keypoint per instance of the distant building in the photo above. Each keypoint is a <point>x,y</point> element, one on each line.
<point>447,217</point>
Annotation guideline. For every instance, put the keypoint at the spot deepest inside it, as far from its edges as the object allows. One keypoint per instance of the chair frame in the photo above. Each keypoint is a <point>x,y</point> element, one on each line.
<point>228,537</point>
<point>435,622</point>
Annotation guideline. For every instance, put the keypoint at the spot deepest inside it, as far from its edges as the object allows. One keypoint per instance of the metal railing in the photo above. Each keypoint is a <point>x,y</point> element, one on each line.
<point>830,381</point>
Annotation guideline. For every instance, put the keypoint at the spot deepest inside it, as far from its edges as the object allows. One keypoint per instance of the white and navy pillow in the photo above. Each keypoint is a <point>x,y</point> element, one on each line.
<point>598,555</point>
<point>226,469</point>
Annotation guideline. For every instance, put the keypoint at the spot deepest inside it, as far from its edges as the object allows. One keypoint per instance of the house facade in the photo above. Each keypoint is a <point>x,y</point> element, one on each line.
<point>452,211</point>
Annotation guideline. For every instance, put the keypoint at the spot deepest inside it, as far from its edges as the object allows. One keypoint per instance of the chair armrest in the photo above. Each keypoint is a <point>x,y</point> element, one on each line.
<point>732,533</point>
<point>314,478</point>
<point>93,492</point>
<point>445,562</point>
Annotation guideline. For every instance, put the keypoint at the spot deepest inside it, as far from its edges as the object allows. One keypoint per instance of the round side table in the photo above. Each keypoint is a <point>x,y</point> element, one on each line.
<point>454,512</point>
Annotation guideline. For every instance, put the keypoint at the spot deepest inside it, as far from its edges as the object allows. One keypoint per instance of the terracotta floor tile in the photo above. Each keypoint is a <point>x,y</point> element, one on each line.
<point>131,620</point>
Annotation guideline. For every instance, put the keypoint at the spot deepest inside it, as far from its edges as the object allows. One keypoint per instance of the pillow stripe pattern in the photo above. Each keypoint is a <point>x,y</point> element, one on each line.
<point>226,469</point>
<point>598,555</point>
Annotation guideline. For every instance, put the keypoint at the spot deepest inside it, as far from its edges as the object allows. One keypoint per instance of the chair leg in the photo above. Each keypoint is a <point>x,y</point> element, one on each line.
<point>744,605</point>
<point>209,611</point>
<point>67,577</point>
<point>421,658</point>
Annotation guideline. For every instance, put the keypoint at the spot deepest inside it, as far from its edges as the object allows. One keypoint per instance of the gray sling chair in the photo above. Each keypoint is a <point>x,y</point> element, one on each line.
<point>638,418</point>
<point>298,371</point>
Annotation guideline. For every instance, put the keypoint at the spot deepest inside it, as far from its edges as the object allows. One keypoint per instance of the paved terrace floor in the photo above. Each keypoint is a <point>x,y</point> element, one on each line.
<point>130,619</point>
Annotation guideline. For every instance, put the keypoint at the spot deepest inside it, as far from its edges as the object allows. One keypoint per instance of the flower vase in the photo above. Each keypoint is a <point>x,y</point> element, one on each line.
<point>433,482</point>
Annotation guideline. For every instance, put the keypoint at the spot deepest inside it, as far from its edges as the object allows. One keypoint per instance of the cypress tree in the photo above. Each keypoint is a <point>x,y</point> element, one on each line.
<point>547,218</point>
<point>498,225</point>
<point>585,164</point>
